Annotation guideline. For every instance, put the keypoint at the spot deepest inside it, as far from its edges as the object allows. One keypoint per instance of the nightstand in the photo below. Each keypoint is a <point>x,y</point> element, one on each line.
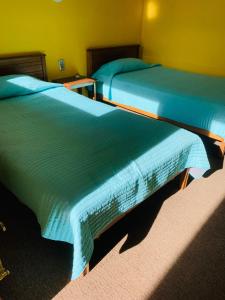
<point>77,83</point>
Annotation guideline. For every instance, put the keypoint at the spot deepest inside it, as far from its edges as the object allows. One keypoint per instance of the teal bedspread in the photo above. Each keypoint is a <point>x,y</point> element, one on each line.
<point>78,164</point>
<point>192,99</point>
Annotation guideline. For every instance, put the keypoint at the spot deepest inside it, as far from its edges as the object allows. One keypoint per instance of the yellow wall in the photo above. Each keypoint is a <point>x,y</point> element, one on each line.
<point>185,34</point>
<point>65,30</point>
<point>178,33</point>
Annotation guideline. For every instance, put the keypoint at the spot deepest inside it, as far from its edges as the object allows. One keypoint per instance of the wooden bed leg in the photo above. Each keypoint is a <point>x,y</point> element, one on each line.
<point>184,179</point>
<point>222,148</point>
<point>86,270</point>
<point>3,271</point>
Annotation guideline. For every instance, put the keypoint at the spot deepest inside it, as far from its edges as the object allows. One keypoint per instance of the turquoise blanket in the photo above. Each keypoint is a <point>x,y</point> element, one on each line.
<point>192,99</point>
<point>78,164</point>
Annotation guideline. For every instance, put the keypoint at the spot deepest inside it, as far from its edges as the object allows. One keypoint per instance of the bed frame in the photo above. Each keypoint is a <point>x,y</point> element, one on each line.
<point>96,57</point>
<point>34,64</point>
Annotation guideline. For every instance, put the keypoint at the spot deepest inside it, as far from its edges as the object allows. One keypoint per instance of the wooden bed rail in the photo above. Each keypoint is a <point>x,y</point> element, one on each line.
<point>222,148</point>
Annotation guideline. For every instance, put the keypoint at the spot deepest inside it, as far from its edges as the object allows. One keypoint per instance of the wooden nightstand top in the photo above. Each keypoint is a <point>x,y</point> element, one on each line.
<point>79,83</point>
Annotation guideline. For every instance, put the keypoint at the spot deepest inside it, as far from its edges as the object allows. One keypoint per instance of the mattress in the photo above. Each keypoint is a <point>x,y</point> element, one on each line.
<point>79,164</point>
<point>192,99</point>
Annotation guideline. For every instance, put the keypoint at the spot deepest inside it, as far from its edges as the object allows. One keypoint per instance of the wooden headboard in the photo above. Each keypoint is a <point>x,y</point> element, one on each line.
<point>96,57</point>
<point>24,63</point>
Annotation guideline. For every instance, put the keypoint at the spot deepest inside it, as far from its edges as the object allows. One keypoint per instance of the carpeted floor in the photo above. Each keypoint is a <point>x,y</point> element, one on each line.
<point>170,247</point>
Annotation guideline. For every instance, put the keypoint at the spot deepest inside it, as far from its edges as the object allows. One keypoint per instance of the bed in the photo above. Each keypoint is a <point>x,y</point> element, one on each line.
<point>192,101</point>
<point>81,165</point>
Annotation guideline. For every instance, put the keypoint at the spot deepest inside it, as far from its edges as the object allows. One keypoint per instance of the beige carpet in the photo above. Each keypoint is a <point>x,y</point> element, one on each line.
<point>182,256</point>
